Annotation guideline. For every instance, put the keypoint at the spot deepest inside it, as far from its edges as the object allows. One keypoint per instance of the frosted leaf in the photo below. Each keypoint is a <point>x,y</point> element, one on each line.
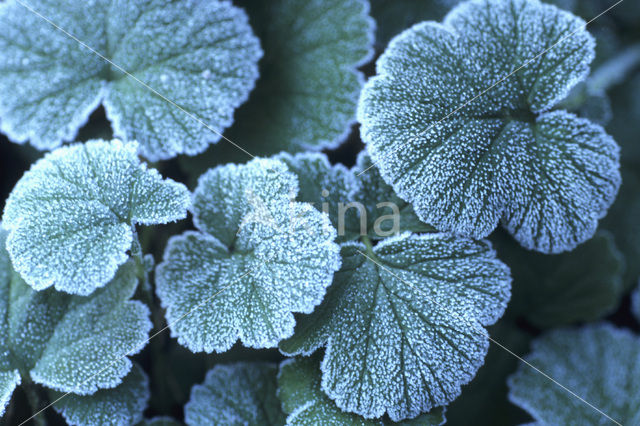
<point>71,217</point>
<point>598,362</point>
<point>326,187</point>
<point>307,94</point>
<point>306,404</point>
<point>466,162</point>
<point>378,198</point>
<point>552,290</point>
<point>202,55</point>
<point>236,394</point>
<point>120,406</point>
<point>404,334</point>
<point>9,380</point>
<point>68,343</point>
<point>259,257</point>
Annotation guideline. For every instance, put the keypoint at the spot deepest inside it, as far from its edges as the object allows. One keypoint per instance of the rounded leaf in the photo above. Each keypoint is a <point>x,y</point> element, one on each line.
<point>598,362</point>
<point>260,256</point>
<point>309,86</point>
<point>403,323</point>
<point>71,217</point>
<point>467,157</point>
<point>236,394</point>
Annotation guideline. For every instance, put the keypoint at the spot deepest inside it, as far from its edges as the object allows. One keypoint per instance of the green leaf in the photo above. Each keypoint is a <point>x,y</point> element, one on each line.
<point>71,217</point>
<point>67,343</point>
<point>259,257</point>
<point>394,16</point>
<point>466,157</point>
<point>236,394</point>
<point>202,55</point>
<point>302,398</point>
<point>9,380</point>
<point>329,188</point>
<point>382,204</point>
<point>598,362</point>
<point>122,405</point>
<point>307,94</point>
<point>403,323</point>
<point>553,290</point>
<point>623,221</point>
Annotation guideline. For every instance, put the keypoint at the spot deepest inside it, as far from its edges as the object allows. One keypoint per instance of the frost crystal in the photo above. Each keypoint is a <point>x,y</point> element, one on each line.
<point>69,343</point>
<point>466,159</point>
<point>122,406</point>
<point>599,363</point>
<point>50,83</point>
<point>259,257</point>
<point>308,91</point>
<point>306,404</point>
<point>71,217</point>
<point>236,394</point>
<point>403,323</point>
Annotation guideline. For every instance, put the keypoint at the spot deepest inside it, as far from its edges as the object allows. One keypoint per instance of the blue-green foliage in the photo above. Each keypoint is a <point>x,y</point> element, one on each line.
<point>258,257</point>
<point>72,343</point>
<point>599,362</point>
<point>72,216</point>
<point>469,142</point>
<point>199,54</point>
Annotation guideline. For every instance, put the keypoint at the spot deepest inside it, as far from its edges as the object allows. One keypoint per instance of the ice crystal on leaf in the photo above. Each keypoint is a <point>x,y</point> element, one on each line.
<point>466,159</point>
<point>403,323</point>
<point>598,362</point>
<point>69,343</point>
<point>306,404</point>
<point>202,55</point>
<point>71,217</point>
<point>309,86</point>
<point>236,394</point>
<point>258,257</point>
<point>122,405</point>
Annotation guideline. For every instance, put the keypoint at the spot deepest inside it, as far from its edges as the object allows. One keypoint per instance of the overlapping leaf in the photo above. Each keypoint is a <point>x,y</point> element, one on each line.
<point>242,393</point>
<point>403,323</point>
<point>202,55</point>
<point>598,362</point>
<point>122,405</point>
<point>552,290</point>
<point>71,343</point>
<point>305,403</point>
<point>469,142</point>
<point>259,257</point>
<point>308,90</point>
<point>72,215</point>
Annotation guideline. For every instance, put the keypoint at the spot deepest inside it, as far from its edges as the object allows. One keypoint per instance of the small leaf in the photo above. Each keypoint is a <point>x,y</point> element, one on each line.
<point>466,157</point>
<point>70,343</point>
<point>307,94</point>
<point>260,256</point>
<point>9,380</point>
<point>236,394</point>
<point>201,55</point>
<point>598,362</point>
<point>122,405</point>
<point>303,400</point>
<point>404,333</point>
<point>329,188</point>
<point>553,290</point>
<point>71,217</point>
